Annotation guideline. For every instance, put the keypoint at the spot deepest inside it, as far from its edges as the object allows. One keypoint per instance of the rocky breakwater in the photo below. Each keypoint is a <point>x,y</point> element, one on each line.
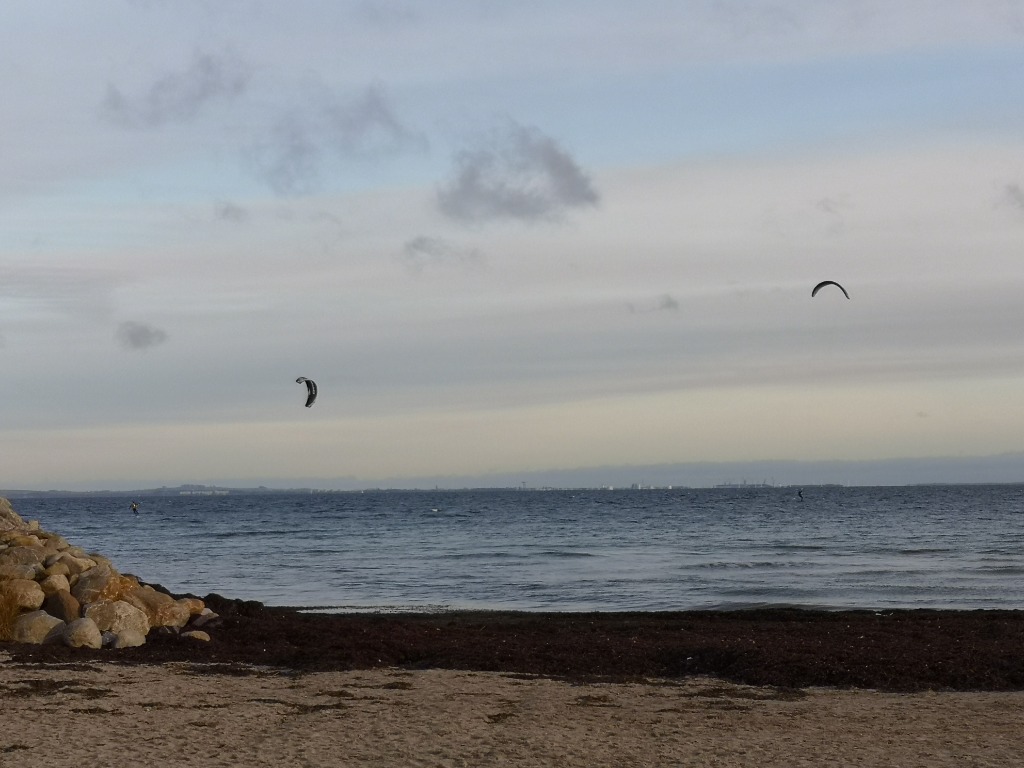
<point>54,592</point>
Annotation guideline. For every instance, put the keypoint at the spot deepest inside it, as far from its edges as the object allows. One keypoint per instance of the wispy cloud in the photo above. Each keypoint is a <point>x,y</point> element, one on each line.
<point>292,156</point>
<point>664,303</point>
<point>1013,195</point>
<point>423,252</point>
<point>517,172</point>
<point>68,291</point>
<point>179,96</point>
<point>135,336</point>
<point>228,211</point>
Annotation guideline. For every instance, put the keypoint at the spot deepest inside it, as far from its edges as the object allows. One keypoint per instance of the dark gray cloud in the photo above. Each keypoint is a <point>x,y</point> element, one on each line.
<point>180,96</point>
<point>422,252</point>
<point>132,335</point>
<point>516,172</point>
<point>297,151</point>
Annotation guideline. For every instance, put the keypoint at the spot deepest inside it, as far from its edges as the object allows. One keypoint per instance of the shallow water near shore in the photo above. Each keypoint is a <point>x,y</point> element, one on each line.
<point>592,550</point>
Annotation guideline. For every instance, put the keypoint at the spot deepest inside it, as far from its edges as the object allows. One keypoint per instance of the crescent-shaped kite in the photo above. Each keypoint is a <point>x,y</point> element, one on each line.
<point>823,283</point>
<point>310,389</point>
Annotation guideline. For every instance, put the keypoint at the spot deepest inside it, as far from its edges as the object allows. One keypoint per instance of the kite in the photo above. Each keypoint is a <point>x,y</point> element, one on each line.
<point>823,283</point>
<point>310,389</point>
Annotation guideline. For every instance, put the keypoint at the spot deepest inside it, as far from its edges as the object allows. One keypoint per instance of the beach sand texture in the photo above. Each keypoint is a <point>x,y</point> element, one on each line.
<point>96,713</point>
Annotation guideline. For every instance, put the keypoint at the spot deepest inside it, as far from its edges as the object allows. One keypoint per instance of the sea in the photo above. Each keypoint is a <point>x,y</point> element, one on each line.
<point>824,547</point>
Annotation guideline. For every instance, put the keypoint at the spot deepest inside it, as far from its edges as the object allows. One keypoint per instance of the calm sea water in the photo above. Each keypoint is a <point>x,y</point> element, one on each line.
<point>907,547</point>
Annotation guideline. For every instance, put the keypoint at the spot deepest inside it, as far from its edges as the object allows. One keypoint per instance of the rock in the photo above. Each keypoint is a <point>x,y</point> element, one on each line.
<point>76,565</point>
<point>194,604</point>
<point>53,542</point>
<point>196,634</point>
<point>82,633</point>
<point>117,616</point>
<point>102,583</point>
<point>205,617</point>
<point>63,605</point>
<point>22,554</point>
<point>24,539</point>
<point>37,627</point>
<point>54,583</point>
<point>23,593</point>
<point>17,571</point>
<point>9,519</point>
<point>162,610</point>
<point>57,569</point>
<point>129,638</point>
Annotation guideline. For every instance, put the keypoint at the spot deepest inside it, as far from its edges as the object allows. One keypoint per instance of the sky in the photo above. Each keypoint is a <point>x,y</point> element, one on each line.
<point>506,238</point>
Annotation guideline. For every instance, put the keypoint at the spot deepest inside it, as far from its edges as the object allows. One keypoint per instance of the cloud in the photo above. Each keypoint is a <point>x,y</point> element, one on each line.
<point>294,156</point>
<point>179,96</point>
<point>227,211</point>
<point>664,303</point>
<point>367,126</point>
<point>1014,195</point>
<point>422,252</point>
<point>56,291</point>
<point>132,335</point>
<point>516,173</point>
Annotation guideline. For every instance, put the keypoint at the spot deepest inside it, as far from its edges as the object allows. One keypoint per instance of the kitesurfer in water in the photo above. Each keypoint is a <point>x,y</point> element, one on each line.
<point>135,507</point>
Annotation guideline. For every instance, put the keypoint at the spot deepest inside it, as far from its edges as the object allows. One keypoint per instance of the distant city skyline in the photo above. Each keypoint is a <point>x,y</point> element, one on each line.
<point>1004,469</point>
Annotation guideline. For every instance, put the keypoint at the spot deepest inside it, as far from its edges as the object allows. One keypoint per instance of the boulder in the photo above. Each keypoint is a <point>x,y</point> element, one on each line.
<point>17,571</point>
<point>54,583</point>
<point>194,604</point>
<point>75,565</point>
<point>22,554</point>
<point>37,627</point>
<point>57,569</point>
<point>162,610</point>
<point>63,605</point>
<point>102,583</point>
<point>116,616</point>
<point>9,519</point>
<point>82,633</point>
<point>24,539</point>
<point>23,593</point>
<point>129,638</point>
<point>205,617</point>
<point>196,634</point>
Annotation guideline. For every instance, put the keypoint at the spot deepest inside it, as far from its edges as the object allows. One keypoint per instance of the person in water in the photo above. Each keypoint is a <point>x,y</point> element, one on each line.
<point>135,507</point>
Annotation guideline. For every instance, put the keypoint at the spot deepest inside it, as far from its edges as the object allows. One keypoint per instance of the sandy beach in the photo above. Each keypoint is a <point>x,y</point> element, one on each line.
<point>99,713</point>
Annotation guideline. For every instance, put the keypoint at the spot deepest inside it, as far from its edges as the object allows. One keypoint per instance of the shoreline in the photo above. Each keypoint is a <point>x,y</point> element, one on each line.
<point>793,648</point>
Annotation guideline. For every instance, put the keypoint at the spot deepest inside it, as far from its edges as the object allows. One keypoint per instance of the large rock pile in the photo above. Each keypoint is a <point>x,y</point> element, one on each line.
<point>51,591</point>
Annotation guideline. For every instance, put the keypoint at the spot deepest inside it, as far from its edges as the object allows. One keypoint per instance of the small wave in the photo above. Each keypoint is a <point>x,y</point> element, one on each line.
<point>922,551</point>
<point>565,553</point>
<point>1002,570</point>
